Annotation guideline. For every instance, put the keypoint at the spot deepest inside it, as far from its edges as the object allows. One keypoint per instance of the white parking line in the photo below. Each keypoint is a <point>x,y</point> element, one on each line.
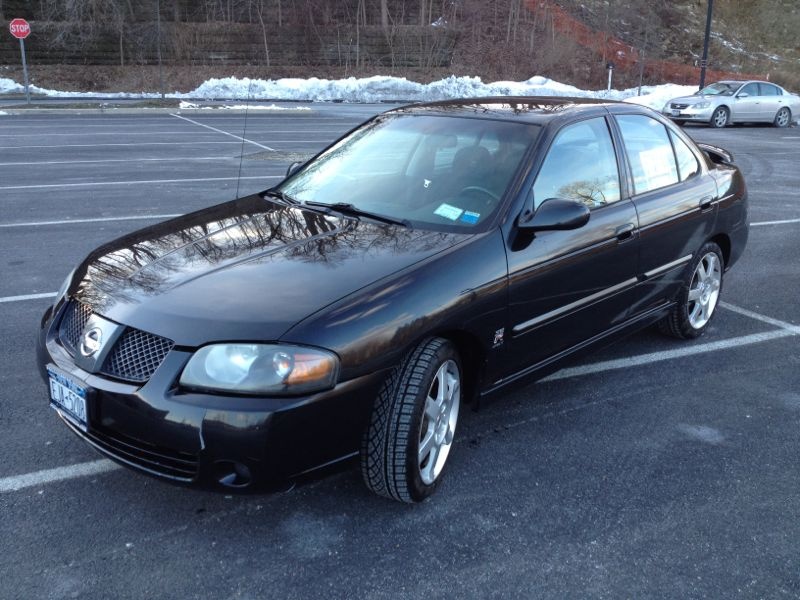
<point>20,482</point>
<point>644,359</point>
<point>241,139</point>
<point>783,222</point>
<point>28,297</point>
<point>759,317</point>
<point>96,220</point>
<point>115,160</point>
<point>140,182</point>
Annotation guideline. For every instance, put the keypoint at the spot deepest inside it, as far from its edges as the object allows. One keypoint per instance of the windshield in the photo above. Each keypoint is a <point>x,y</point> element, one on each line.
<point>436,172</point>
<point>719,89</point>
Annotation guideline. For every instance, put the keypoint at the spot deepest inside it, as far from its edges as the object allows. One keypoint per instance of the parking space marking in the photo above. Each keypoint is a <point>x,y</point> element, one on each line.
<point>759,317</point>
<point>96,220</point>
<point>241,139</point>
<point>18,482</point>
<point>27,297</point>
<point>143,181</point>
<point>114,160</point>
<point>782,222</point>
<point>644,359</point>
<point>26,480</point>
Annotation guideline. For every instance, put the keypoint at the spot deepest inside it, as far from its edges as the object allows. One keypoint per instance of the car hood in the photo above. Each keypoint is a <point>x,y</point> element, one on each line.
<point>245,270</point>
<point>696,99</point>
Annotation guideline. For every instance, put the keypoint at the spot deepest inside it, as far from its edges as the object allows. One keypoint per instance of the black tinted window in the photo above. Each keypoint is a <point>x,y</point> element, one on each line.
<point>649,152</point>
<point>580,165</point>
<point>687,161</point>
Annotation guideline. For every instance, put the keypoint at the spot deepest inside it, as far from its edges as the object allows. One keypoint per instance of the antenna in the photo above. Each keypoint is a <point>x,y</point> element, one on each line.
<point>244,135</point>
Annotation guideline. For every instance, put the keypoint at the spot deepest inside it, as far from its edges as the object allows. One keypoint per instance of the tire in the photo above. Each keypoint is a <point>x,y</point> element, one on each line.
<point>698,296</point>
<point>782,118</point>
<point>720,117</point>
<point>417,405</point>
<point>679,122</point>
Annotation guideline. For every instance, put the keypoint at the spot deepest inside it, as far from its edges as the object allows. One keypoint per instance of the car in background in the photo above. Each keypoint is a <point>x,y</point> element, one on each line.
<point>436,255</point>
<point>727,102</point>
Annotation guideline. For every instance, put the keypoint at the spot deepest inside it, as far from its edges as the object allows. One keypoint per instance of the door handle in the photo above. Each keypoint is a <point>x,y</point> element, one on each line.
<point>625,232</point>
<point>705,202</point>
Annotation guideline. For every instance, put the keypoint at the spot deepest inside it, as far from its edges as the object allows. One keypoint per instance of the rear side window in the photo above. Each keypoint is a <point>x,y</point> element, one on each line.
<point>769,90</point>
<point>580,165</point>
<point>687,161</point>
<point>649,153</point>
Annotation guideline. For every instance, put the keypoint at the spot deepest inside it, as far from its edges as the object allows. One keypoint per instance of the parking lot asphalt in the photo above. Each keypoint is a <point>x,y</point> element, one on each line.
<point>653,468</point>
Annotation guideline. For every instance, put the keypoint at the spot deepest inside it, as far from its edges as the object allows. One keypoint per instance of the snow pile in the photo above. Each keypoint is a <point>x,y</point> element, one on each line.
<point>3,113</point>
<point>376,89</point>
<point>383,88</point>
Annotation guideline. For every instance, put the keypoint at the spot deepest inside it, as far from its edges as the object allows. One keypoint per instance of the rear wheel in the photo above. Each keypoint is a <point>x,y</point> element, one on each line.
<point>783,117</point>
<point>698,297</point>
<point>410,434</point>
<point>720,117</point>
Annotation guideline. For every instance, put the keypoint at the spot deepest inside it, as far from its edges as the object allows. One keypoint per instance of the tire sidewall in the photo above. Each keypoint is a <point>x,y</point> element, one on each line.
<point>714,117</point>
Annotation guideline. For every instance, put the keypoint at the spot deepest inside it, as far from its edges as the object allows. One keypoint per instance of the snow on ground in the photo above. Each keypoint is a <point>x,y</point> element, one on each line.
<point>192,105</point>
<point>376,89</point>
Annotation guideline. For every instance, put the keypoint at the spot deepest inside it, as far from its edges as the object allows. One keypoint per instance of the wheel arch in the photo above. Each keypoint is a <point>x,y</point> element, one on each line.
<point>724,242</point>
<point>473,358</point>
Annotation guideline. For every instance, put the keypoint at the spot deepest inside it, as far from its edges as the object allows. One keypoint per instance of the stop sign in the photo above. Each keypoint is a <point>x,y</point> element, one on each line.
<point>19,28</point>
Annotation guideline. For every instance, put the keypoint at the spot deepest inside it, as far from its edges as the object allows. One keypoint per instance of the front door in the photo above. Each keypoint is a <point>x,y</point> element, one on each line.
<point>565,287</point>
<point>747,104</point>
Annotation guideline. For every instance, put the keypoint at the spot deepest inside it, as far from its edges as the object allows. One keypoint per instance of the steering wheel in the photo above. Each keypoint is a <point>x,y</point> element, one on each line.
<point>470,189</point>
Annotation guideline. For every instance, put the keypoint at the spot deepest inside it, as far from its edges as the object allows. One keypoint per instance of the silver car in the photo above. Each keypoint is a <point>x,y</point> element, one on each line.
<point>726,102</point>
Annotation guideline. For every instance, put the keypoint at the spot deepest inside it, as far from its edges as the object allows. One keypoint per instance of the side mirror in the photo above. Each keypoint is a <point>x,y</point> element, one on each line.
<point>293,168</point>
<point>556,214</point>
<point>743,95</point>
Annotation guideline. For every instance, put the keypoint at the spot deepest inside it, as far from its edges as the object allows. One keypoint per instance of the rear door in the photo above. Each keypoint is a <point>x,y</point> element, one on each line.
<point>676,202</point>
<point>771,101</point>
<point>747,104</point>
<point>567,286</point>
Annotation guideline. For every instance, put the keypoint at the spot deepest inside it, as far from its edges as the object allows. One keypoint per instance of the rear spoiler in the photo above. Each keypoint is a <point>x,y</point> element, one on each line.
<point>717,155</point>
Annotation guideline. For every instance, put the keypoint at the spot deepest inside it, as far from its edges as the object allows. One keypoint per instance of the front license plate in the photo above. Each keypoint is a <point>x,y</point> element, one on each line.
<point>68,397</point>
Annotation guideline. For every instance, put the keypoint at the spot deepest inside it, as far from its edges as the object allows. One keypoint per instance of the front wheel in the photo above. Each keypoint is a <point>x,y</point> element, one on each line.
<point>720,117</point>
<point>783,117</point>
<point>410,433</point>
<point>698,296</point>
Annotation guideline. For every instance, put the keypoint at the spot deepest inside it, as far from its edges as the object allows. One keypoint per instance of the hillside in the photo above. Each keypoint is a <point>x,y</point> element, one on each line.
<point>116,44</point>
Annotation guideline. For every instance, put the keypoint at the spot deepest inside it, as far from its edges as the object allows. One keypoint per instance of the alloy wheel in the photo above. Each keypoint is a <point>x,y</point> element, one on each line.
<point>704,290</point>
<point>439,421</point>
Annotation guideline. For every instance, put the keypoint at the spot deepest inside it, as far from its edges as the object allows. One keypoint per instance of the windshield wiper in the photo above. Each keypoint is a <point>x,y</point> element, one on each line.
<point>282,196</point>
<point>348,209</point>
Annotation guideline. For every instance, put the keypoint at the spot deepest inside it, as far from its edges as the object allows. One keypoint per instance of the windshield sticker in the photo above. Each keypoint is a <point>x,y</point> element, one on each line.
<point>470,217</point>
<point>448,211</point>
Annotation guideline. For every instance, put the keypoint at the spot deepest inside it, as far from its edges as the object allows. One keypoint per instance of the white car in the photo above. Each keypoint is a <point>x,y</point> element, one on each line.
<point>726,102</point>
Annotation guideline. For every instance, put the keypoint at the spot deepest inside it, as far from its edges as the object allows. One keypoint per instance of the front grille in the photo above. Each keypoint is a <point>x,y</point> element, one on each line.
<point>157,460</point>
<point>75,318</point>
<point>136,355</point>
<point>678,106</point>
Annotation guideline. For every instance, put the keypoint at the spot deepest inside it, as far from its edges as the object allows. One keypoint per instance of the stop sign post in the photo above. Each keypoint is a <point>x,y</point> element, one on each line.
<point>21,29</point>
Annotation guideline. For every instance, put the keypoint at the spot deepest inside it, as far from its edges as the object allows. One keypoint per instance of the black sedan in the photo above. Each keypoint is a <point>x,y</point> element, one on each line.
<point>431,257</point>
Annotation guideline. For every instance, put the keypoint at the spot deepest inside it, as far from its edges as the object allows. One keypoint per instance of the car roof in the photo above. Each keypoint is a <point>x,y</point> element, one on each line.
<point>533,109</point>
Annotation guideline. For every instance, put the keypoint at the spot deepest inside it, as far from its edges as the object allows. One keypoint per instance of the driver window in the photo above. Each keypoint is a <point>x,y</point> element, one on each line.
<point>580,165</point>
<point>751,89</point>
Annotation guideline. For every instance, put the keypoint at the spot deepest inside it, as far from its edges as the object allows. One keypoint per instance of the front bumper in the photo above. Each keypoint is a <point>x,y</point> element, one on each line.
<point>211,440</point>
<point>689,114</point>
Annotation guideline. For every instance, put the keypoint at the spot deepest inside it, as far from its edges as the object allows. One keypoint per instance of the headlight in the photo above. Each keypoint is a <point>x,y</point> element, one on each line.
<point>275,369</point>
<point>702,105</point>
